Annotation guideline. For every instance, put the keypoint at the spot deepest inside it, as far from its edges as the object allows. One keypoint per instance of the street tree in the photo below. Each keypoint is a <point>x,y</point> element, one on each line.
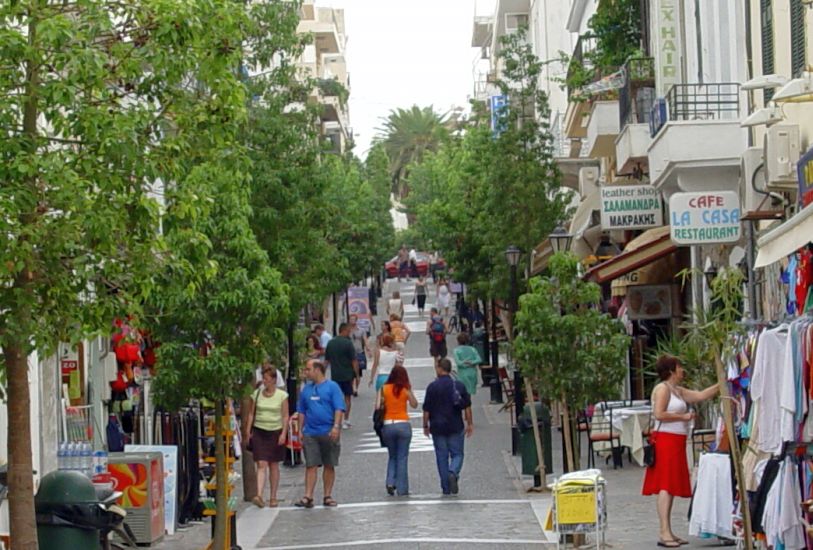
<point>97,109</point>
<point>566,347</point>
<point>218,324</point>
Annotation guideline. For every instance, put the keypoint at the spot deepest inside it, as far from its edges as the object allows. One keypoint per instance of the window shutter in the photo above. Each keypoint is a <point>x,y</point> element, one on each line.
<point>797,37</point>
<point>766,12</point>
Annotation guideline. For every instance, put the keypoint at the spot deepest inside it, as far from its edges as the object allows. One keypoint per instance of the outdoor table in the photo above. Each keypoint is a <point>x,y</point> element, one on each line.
<point>629,423</point>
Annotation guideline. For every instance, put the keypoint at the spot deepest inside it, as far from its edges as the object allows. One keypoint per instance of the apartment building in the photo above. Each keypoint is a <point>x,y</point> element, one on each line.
<point>324,60</point>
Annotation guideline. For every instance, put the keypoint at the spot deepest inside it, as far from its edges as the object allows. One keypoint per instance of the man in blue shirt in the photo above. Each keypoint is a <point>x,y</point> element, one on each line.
<point>321,408</point>
<point>444,405</point>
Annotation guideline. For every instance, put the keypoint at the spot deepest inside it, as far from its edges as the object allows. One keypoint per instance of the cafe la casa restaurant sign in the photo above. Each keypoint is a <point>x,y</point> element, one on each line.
<point>705,218</point>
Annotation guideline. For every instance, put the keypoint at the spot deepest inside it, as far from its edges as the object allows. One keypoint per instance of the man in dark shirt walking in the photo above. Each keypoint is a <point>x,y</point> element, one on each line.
<point>344,366</point>
<point>444,406</point>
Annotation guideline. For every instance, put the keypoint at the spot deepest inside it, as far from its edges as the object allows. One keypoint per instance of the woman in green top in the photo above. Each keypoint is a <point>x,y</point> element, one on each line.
<point>268,424</point>
<point>468,360</point>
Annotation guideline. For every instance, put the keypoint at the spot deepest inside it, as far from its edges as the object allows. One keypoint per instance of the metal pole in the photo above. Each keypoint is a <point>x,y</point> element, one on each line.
<point>750,279</point>
<point>519,398</point>
<point>496,387</point>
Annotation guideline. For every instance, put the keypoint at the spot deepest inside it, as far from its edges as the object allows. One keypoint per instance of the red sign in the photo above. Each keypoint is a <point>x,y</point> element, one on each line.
<point>68,366</point>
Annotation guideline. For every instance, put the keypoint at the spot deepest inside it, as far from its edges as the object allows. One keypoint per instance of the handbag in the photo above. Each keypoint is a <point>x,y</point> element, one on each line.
<point>378,419</point>
<point>250,445</point>
<point>649,448</point>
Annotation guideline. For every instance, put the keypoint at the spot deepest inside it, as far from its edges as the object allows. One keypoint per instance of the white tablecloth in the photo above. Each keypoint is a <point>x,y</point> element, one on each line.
<point>629,423</point>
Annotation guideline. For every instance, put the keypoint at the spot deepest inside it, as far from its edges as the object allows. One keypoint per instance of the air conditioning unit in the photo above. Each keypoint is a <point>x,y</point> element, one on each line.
<point>588,180</point>
<point>752,173</point>
<point>782,150</point>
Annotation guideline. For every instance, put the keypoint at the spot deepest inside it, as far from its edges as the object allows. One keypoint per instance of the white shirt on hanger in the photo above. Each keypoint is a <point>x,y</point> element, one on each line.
<point>766,389</point>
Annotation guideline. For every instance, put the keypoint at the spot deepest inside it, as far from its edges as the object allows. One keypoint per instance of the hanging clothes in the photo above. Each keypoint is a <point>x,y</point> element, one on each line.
<point>713,502</point>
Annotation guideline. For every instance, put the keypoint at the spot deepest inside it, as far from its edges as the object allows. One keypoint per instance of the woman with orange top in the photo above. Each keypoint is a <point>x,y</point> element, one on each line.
<point>397,431</point>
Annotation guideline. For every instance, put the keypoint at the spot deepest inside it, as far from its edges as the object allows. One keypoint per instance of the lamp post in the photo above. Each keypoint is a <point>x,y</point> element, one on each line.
<point>512,255</point>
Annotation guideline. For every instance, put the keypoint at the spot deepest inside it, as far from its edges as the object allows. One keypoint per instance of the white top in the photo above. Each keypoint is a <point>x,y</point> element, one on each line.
<point>767,390</point>
<point>386,360</point>
<point>395,305</point>
<point>413,255</point>
<point>676,406</point>
<point>443,296</point>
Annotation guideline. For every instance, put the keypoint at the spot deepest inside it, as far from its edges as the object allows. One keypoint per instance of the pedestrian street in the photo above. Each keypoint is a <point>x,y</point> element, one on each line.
<point>491,511</point>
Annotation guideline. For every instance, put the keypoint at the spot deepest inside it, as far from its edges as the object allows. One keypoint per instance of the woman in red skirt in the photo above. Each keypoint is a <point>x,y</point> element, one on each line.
<point>669,477</point>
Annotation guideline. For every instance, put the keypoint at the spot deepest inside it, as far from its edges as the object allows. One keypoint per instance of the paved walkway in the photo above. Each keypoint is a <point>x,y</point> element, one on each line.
<point>493,509</point>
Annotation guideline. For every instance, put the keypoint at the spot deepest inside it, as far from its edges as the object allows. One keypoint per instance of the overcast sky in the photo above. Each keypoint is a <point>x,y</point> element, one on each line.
<point>405,52</point>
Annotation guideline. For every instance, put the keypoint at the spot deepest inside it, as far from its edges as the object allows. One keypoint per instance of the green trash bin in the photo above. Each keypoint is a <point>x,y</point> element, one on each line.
<point>527,443</point>
<point>67,512</point>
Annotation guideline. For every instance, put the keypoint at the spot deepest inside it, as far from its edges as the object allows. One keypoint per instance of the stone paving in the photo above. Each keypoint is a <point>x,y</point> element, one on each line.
<point>493,509</point>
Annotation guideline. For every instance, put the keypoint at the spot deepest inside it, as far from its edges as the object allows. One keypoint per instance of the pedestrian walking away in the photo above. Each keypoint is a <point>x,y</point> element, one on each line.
<point>396,434</point>
<point>669,476</point>
<point>341,355</point>
<point>266,433</point>
<point>467,360</point>
<point>443,297</point>
<point>321,408</point>
<point>400,332</point>
<point>420,294</point>
<point>324,339</point>
<point>436,329</point>
<point>403,263</point>
<point>359,338</point>
<point>445,405</point>
<point>387,356</point>
<point>395,306</point>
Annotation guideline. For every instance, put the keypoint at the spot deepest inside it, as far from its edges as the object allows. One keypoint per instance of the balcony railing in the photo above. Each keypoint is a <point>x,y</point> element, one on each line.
<point>717,101</point>
<point>579,60</point>
<point>635,99</point>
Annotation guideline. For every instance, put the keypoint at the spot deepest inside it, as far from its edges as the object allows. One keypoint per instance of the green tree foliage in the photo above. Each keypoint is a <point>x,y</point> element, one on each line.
<point>569,350</point>
<point>407,135</point>
<point>96,108</point>
<point>480,193</point>
<point>616,26</point>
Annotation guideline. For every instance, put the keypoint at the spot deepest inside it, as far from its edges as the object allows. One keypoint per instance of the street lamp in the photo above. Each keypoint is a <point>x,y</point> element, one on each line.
<point>560,239</point>
<point>710,274</point>
<point>512,254</point>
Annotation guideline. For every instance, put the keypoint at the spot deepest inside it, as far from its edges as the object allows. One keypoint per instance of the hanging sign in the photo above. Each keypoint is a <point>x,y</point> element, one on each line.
<point>68,366</point>
<point>705,218</point>
<point>630,207</point>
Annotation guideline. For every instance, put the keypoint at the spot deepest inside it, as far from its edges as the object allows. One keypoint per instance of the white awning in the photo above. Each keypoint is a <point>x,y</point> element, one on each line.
<point>786,238</point>
<point>582,227</point>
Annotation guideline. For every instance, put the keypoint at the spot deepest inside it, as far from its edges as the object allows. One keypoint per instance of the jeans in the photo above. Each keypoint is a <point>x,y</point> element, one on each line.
<point>449,456</point>
<point>397,438</point>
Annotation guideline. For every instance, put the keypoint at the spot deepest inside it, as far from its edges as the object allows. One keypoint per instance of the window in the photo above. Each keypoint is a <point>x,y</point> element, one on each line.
<point>797,38</point>
<point>513,21</point>
<point>766,16</point>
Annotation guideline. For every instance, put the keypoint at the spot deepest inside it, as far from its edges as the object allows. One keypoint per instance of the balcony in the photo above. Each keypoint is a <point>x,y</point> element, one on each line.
<point>326,36</point>
<point>635,102</point>
<point>602,129</point>
<point>578,109</point>
<point>698,145</point>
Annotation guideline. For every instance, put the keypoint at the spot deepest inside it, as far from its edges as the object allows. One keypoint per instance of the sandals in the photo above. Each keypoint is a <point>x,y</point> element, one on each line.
<point>669,543</point>
<point>273,503</point>
<point>258,501</point>
<point>304,502</point>
<point>680,541</point>
<point>329,502</point>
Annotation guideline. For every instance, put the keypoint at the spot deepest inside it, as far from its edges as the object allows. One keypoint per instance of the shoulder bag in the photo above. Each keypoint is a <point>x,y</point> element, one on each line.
<point>249,446</point>
<point>378,418</point>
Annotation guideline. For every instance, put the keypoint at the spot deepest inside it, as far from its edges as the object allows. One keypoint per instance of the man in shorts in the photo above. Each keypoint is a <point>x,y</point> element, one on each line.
<point>320,407</point>
<point>344,366</point>
<point>437,330</point>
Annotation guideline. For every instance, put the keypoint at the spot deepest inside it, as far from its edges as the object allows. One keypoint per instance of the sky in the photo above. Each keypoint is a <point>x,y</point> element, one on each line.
<point>405,52</point>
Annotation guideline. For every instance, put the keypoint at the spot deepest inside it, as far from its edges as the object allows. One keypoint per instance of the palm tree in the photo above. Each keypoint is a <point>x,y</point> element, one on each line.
<point>407,134</point>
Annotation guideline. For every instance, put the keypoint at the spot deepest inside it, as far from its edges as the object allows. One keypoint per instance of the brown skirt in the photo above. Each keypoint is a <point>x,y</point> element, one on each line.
<point>265,445</point>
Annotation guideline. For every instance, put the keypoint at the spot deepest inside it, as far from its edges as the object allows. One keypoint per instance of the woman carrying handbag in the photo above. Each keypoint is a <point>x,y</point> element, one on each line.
<point>396,433</point>
<point>268,426</point>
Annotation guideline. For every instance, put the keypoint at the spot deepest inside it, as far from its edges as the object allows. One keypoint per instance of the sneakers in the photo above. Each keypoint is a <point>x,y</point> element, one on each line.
<point>453,486</point>
<point>346,425</point>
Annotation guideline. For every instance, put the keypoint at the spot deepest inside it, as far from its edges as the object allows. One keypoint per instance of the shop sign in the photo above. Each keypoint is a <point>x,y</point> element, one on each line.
<point>805,169</point>
<point>705,218</point>
<point>498,103</point>
<point>630,207</point>
<point>667,45</point>
<point>68,366</point>
<point>649,302</point>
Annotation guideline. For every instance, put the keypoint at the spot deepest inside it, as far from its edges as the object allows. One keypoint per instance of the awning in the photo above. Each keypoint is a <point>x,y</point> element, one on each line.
<point>642,250</point>
<point>582,227</point>
<point>786,238</point>
<point>540,256</point>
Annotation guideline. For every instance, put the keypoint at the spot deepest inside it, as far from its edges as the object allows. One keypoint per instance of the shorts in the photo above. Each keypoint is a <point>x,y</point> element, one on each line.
<point>346,386</point>
<point>320,450</point>
<point>438,349</point>
<point>362,359</point>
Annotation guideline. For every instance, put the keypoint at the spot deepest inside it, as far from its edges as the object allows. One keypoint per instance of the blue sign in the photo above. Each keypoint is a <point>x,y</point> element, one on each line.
<point>498,104</point>
<point>658,116</point>
<point>805,170</point>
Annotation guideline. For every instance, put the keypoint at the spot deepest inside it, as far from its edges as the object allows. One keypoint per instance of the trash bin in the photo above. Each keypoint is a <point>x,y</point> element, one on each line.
<point>527,443</point>
<point>68,512</point>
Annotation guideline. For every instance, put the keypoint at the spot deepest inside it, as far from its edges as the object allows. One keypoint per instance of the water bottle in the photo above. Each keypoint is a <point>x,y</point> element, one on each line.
<point>70,456</point>
<point>60,456</point>
<point>87,457</point>
<point>99,462</point>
